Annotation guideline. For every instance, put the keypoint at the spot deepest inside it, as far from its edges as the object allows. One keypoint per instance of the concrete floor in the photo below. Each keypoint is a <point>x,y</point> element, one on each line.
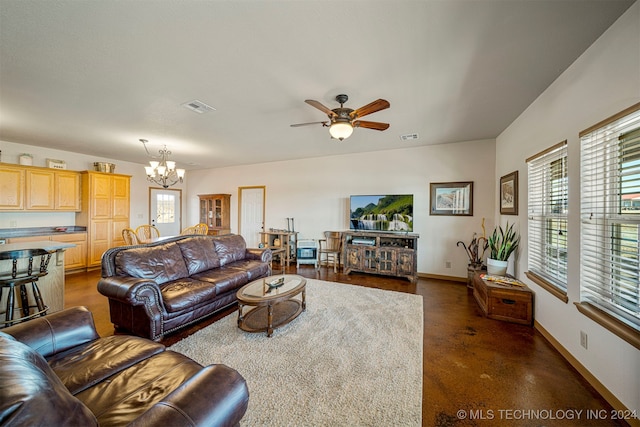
<point>477,371</point>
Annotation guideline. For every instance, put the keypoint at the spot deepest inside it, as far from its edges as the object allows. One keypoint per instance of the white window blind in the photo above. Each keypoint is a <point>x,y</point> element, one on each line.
<point>610,217</point>
<point>547,215</point>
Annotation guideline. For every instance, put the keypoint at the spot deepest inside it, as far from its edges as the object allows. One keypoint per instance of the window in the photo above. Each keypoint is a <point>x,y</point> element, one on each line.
<point>166,208</point>
<point>547,219</point>
<point>610,219</point>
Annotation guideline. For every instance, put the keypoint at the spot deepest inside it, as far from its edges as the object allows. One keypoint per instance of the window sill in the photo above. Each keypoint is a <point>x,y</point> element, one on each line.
<point>553,290</point>
<point>610,323</point>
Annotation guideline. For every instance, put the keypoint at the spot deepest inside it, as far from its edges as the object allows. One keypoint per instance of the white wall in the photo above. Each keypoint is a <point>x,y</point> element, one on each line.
<point>602,82</point>
<point>315,192</point>
<point>78,162</point>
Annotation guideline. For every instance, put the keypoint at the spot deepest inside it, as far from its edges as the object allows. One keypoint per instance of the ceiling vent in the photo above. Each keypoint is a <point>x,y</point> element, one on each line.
<point>409,136</point>
<point>198,106</point>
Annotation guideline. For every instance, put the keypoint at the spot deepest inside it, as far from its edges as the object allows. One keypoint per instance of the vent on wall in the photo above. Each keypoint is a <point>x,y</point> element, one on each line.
<point>198,106</point>
<point>409,136</point>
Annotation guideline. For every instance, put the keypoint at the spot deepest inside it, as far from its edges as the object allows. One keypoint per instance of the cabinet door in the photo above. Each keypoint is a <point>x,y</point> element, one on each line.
<point>100,241</point>
<point>76,257</point>
<point>116,232</point>
<point>40,189</point>
<point>370,259</point>
<point>406,262</point>
<point>100,197</point>
<point>387,261</point>
<point>353,259</point>
<point>67,191</point>
<point>11,188</point>
<point>120,201</point>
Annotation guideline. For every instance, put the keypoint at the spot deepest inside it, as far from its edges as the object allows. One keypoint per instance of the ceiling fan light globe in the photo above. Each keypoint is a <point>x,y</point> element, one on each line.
<point>340,130</point>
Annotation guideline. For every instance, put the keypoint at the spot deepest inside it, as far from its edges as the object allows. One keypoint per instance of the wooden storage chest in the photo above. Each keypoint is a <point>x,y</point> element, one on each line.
<point>504,302</point>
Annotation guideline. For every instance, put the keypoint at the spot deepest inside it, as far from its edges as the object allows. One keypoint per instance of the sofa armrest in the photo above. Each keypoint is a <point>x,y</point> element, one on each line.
<point>57,331</point>
<point>215,396</point>
<point>261,254</point>
<point>130,290</point>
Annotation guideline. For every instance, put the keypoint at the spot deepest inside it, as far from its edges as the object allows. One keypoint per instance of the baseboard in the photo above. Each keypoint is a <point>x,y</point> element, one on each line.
<point>600,388</point>
<point>442,277</point>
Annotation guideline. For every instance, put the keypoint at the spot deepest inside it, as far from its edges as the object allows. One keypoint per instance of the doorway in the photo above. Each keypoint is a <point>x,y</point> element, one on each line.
<point>251,214</point>
<point>165,210</point>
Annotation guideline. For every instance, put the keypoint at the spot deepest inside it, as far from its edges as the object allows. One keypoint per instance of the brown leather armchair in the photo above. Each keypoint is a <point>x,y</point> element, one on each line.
<point>56,370</point>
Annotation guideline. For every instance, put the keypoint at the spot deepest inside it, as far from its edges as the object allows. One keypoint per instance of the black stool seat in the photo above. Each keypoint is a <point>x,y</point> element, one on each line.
<point>19,278</point>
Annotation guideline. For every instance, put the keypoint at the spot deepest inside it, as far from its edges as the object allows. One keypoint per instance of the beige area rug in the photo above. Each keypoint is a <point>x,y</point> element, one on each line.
<point>353,358</point>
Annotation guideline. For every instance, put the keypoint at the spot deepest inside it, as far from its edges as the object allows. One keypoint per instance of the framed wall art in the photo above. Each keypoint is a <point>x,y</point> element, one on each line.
<point>509,194</point>
<point>452,198</point>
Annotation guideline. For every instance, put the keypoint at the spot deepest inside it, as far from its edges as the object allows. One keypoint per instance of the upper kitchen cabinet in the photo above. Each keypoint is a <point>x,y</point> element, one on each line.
<point>30,188</point>
<point>11,188</point>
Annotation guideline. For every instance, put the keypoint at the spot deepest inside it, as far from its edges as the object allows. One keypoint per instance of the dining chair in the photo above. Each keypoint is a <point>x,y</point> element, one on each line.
<point>147,232</point>
<point>331,248</point>
<point>201,228</point>
<point>129,236</point>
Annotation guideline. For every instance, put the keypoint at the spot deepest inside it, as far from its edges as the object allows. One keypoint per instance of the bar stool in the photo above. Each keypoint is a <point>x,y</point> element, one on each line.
<point>18,279</point>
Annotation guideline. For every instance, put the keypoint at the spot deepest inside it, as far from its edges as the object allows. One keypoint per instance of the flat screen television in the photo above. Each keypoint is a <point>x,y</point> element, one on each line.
<point>392,212</point>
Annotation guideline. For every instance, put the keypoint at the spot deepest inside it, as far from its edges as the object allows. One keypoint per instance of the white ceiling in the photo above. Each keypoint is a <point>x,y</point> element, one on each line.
<point>94,77</point>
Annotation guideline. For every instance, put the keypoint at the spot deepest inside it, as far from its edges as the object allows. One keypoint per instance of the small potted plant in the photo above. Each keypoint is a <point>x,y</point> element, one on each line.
<point>502,243</point>
<point>475,256</point>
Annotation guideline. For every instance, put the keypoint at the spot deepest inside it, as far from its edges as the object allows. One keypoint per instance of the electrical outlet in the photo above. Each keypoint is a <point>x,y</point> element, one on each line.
<point>13,224</point>
<point>583,339</point>
<point>447,264</point>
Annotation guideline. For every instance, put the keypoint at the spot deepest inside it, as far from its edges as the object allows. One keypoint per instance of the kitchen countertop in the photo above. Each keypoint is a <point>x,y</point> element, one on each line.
<point>47,245</point>
<point>7,233</point>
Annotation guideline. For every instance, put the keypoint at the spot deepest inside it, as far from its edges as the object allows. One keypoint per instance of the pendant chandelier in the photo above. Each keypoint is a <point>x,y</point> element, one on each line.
<point>164,172</point>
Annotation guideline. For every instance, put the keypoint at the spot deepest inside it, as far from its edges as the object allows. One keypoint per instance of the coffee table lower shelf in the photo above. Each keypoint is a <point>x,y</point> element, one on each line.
<point>260,320</point>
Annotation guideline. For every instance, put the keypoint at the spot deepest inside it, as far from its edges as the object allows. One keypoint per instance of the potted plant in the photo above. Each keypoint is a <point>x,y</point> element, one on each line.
<point>502,243</point>
<point>475,256</point>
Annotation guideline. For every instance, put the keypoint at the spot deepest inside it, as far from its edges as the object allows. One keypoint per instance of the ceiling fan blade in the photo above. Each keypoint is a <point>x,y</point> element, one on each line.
<point>377,105</point>
<point>371,125</point>
<point>320,107</point>
<point>324,124</point>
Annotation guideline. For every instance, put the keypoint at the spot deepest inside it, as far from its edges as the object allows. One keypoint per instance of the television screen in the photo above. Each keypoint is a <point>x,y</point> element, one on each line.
<point>381,213</point>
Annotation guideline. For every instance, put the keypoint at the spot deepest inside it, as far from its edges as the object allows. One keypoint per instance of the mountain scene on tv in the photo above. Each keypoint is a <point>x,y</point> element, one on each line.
<point>382,213</point>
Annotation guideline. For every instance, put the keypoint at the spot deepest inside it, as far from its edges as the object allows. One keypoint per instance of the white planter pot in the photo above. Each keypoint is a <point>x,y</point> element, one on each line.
<point>496,268</point>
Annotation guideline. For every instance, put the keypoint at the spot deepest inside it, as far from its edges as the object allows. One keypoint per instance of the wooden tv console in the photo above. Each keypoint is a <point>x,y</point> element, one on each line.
<point>391,254</point>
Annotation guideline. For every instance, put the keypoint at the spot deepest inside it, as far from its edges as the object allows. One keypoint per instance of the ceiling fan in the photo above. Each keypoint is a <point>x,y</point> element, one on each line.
<point>342,120</point>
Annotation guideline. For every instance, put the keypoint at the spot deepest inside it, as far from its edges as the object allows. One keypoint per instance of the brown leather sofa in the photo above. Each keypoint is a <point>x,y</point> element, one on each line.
<point>56,371</point>
<point>159,287</point>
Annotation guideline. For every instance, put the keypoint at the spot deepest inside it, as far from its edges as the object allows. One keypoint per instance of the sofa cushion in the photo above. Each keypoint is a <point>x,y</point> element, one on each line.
<point>254,268</point>
<point>183,294</point>
<point>225,279</point>
<point>86,365</point>
<point>230,248</point>
<point>162,263</point>
<point>199,254</point>
<point>31,394</point>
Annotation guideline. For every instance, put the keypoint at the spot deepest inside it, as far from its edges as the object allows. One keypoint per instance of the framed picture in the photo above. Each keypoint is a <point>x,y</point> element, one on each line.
<point>509,194</point>
<point>452,198</point>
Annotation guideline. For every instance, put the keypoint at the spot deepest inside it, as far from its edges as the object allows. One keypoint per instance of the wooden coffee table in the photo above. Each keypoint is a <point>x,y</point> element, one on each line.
<point>272,299</point>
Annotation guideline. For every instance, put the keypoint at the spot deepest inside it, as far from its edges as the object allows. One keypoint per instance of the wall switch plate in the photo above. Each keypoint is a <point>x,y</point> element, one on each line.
<point>583,339</point>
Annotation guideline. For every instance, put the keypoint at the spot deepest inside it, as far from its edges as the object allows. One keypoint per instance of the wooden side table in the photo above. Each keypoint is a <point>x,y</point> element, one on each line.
<point>503,302</point>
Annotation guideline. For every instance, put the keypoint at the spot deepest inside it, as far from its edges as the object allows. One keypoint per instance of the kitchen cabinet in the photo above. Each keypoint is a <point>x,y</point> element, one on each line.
<point>105,212</point>
<point>215,210</point>
<point>32,188</point>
